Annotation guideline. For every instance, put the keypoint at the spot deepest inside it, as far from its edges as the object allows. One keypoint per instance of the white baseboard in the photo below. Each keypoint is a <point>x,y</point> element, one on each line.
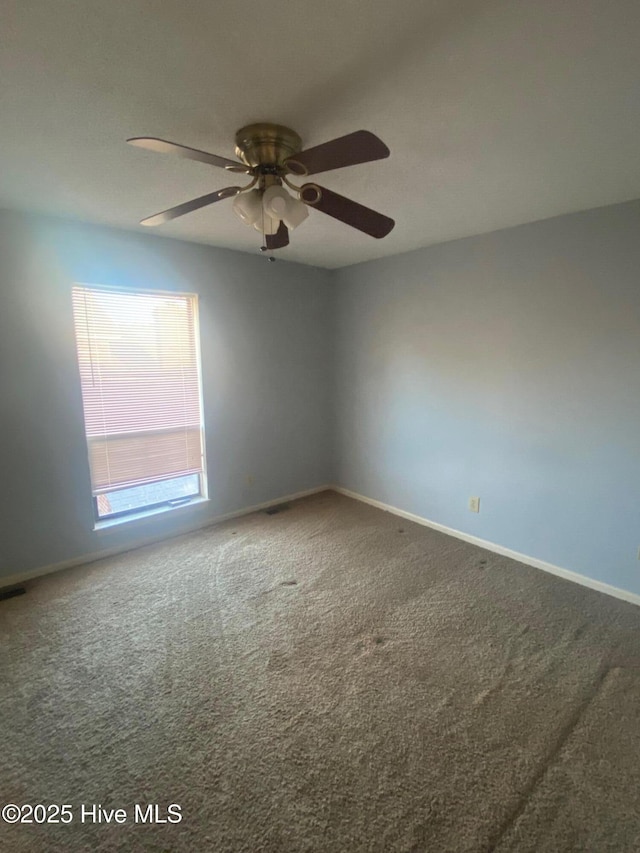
<point>23,577</point>
<point>567,574</point>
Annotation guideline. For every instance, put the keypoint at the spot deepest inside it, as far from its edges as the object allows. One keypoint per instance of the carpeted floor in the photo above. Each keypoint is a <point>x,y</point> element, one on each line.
<point>330,678</point>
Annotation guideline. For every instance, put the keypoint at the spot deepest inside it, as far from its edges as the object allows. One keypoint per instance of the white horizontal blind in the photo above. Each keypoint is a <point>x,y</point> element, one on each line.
<point>138,360</point>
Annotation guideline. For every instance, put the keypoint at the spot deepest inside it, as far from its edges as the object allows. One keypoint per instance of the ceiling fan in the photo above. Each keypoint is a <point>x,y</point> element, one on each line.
<point>269,153</point>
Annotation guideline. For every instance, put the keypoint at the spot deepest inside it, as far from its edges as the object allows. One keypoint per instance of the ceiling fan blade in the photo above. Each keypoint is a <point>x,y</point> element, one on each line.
<point>188,206</point>
<point>278,240</point>
<point>358,147</point>
<point>162,146</point>
<point>350,212</point>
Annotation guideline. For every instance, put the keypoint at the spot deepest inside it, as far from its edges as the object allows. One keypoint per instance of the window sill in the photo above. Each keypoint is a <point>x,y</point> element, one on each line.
<point>145,514</point>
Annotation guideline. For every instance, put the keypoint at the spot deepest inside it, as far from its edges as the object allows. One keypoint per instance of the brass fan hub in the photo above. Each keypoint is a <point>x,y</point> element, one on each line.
<point>266,144</point>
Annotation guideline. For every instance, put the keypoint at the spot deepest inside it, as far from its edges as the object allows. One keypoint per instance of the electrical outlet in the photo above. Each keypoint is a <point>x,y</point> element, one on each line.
<point>474,504</point>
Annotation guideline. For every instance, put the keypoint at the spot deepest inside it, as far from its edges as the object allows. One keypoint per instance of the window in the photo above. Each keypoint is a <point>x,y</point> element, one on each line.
<point>138,353</point>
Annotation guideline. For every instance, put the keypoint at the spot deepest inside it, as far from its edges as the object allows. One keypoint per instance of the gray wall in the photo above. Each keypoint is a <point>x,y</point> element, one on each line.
<point>505,366</point>
<point>266,360</point>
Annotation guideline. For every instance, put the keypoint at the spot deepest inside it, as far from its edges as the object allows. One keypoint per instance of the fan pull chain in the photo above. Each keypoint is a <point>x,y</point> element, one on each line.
<point>264,247</point>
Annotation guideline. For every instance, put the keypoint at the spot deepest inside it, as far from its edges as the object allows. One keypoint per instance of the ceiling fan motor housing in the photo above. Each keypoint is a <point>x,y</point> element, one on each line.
<point>266,144</point>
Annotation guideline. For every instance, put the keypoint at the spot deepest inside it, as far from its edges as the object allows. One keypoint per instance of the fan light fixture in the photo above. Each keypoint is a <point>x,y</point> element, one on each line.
<point>265,209</point>
<point>247,206</point>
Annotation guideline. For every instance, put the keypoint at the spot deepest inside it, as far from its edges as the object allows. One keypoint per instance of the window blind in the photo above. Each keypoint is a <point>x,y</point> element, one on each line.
<point>139,374</point>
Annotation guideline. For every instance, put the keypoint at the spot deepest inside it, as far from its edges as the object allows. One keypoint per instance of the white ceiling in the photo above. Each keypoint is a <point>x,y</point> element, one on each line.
<point>496,113</point>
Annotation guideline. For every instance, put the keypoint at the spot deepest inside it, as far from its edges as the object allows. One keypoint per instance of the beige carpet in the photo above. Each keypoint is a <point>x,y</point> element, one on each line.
<point>330,678</point>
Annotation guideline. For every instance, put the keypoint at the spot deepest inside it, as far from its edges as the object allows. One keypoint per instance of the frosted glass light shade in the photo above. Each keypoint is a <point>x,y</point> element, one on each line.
<point>279,204</point>
<point>248,207</point>
<point>296,213</point>
<point>269,224</point>
<point>275,201</point>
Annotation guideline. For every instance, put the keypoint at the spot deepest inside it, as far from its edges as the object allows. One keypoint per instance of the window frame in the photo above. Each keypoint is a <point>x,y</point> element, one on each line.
<point>136,512</point>
<point>131,515</point>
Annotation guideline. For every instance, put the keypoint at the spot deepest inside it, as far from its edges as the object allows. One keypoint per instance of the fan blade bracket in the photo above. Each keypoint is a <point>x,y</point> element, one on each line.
<point>296,168</point>
<point>311,194</point>
<point>228,192</point>
<point>240,169</point>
